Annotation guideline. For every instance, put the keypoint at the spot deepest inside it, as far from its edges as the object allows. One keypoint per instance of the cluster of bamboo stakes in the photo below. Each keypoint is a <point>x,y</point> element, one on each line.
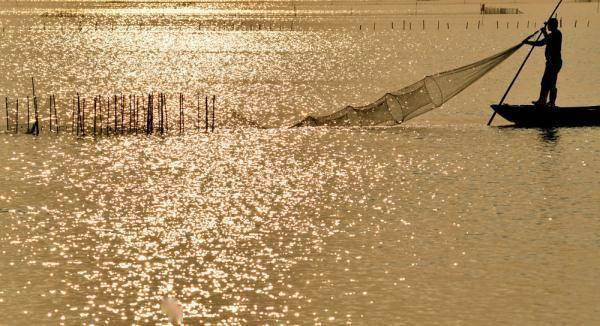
<point>409,25</point>
<point>116,115</point>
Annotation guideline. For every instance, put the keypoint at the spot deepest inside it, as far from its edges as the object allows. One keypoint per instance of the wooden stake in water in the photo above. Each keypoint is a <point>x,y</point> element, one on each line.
<point>115,107</point>
<point>213,114</point>
<point>73,117</point>
<point>100,113</point>
<point>166,113</point>
<point>95,104</point>
<point>198,110</point>
<point>50,109</point>
<point>162,113</point>
<point>36,124</point>
<point>136,109</point>
<point>180,113</point>
<point>122,114</point>
<point>55,113</point>
<point>17,118</point>
<point>78,114</point>
<point>149,116</point>
<point>28,113</point>
<point>130,114</point>
<point>83,119</point>
<point>206,113</point>
<point>107,115</point>
<point>6,102</point>
<point>145,112</point>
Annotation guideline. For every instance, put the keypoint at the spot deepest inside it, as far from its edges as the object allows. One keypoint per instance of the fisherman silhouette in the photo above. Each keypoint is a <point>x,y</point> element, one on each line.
<point>553,43</point>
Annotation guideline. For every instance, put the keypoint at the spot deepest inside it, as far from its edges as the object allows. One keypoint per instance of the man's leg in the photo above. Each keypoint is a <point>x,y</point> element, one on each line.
<point>552,100</point>
<point>545,87</point>
<point>553,90</point>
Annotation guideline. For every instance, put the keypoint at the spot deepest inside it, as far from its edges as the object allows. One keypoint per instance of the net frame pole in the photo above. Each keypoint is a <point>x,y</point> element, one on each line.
<point>523,64</point>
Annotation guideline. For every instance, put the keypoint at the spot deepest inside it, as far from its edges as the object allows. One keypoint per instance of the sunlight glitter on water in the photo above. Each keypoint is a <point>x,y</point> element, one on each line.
<point>438,221</point>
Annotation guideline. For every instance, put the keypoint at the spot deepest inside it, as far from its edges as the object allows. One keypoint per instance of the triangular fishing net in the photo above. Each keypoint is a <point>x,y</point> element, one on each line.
<point>411,101</point>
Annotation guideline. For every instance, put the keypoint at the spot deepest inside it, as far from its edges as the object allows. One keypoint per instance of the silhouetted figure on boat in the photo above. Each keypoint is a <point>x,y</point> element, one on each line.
<point>553,43</point>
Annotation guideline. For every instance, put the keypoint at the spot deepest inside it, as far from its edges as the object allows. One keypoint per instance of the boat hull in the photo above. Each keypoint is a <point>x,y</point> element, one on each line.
<point>531,116</point>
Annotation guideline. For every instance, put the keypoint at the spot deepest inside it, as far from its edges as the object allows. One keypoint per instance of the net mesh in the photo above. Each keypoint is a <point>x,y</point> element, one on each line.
<point>411,101</point>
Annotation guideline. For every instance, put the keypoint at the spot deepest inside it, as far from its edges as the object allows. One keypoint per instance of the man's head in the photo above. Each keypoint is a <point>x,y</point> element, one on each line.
<point>552,24</point>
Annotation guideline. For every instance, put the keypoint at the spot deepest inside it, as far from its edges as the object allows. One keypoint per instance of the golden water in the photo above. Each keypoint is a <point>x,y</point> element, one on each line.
<point>439,221</point>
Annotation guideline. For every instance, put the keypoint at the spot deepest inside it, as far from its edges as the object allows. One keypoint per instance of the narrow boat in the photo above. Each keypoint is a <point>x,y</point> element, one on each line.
<point>531,116</point>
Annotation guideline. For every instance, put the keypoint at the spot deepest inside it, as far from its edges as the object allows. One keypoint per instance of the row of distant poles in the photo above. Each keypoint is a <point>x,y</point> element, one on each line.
<point>112,115</point>
<point>404,25</point>
<point>256,26</point>
<point>408,25</point>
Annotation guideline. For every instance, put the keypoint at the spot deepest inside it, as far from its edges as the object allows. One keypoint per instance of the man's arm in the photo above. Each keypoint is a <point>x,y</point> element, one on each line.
<point>541,42</point>
<point>536,43</point>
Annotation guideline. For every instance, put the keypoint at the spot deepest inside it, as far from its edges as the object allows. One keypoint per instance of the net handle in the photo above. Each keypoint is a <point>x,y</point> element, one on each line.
<point>522,64</point>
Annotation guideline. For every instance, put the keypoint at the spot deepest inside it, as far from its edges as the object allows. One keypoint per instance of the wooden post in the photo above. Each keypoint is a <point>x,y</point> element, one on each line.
<point>213,114</point>
<point>17,118</point>
<point>206,113</point>
<point>130,115</point>
<point>36,124</point>
<point>6,102</point>
<point>164,104</point>
<point>145,113</point>
<point>122,113</point>
<point>115,118</point>
<point>108,115</point>
<point>55,113</point>
<point>73,116</point>
<point>36,117</point>
<point>150,115</point>
<point>95,104</point>
<point>100,113</point>
<point>78,114</point>
<point>83,118</point>
<point>162,114</point>
<point>27,113</point>
<point>137,113</point>
<point>50,109</point>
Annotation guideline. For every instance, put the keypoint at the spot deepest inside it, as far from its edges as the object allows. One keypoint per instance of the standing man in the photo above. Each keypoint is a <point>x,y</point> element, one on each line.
<point>553,43</point>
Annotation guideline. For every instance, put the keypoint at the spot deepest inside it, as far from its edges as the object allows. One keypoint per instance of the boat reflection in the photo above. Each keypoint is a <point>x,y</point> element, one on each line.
<point>549,135</point>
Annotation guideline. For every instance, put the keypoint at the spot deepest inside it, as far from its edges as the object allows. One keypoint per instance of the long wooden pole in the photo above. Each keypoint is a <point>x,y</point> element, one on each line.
<point>522,65</point>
